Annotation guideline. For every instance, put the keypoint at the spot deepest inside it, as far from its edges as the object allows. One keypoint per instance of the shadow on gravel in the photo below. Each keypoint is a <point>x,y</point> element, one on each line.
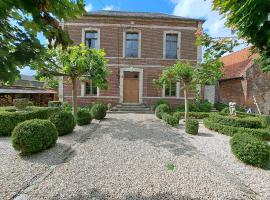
<point>149,130</point>
<point>53,156</point>
<point>98,195</point>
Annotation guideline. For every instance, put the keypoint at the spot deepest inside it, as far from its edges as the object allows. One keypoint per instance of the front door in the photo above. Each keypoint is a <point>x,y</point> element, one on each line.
<point>131,87</point>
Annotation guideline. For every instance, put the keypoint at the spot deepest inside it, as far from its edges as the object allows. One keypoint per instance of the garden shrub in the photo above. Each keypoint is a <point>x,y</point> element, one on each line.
<point>8,109</point>
<point>203,106</point>
<point>162,108</point>
<point>159,102</point>
<point>33,136</point>
<point>67,107</point>
<point>246,122</point>
<point>64,122</point>
<point>192,126</point>
<point>220,106</point>
<point>263,134</point>
<point>55,104</point>
<point>83,117</point>
<point>196,115</point>
<point>250,149</point>
<point>9,120</point>
<point>20,104</point>
<point>98,111</point>
<point>169,119</point>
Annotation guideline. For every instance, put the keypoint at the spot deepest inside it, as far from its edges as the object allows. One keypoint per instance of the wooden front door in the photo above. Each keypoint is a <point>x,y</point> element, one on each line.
<point>131,87</point>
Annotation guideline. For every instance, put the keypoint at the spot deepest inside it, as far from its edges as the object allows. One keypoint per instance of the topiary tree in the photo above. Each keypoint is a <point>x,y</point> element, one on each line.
<point>75,63</point>
<point>98,111</point>
<point>192,126</point>
<point>33,136</point>
<point>64,122</point>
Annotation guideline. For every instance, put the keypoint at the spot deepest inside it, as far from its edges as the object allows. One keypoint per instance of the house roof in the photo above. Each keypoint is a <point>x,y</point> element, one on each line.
<point>24,90</point>
<point>139,14</point>
<point>236,64</point>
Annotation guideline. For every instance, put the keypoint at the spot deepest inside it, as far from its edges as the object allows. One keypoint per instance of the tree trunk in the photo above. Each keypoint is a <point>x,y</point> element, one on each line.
<point>186,99</point>
<point>74,96</point>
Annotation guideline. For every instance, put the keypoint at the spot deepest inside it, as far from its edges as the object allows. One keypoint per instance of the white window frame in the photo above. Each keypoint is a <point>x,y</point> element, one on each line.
<point>139,45</point>
<point>84,30</point>
<point>83,92</point>
<point>177,95</point>
<point>178,44</point>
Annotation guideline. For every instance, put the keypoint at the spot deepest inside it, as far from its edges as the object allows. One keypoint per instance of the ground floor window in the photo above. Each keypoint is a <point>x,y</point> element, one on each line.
<point>170,90</point>
<point>90,88</point>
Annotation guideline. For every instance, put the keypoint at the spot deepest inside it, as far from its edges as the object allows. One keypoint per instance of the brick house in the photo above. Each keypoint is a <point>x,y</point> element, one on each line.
<point>138,46</point>
<point>242,80</point>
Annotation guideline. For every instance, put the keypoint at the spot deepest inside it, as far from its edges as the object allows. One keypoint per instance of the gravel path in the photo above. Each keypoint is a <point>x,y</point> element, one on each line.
<point>127,157</point>
<point>18,173</point>
<point>216,147</point>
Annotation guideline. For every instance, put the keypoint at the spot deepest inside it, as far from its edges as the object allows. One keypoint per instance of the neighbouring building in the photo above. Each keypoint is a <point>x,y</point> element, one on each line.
<point>138,46</point>
<point>26,87</point>
<point>243,81</point>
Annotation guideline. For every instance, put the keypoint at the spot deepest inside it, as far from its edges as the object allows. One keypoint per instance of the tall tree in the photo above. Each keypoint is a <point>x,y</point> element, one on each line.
<point>210,69</point>
<point>251,19</point>
<point>76,62</point>
<point>21,21</point>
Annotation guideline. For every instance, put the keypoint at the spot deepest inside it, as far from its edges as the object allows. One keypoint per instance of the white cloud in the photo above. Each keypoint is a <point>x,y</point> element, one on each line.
<point>88,7</point>
<point>108,7</point>
<point>214,23</point>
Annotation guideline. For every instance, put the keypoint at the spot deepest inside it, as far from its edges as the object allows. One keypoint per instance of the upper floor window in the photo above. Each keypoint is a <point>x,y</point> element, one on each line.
<point>90,88</point>
<point>170,90</point>
<point>171,45</point>
<point>132,45</point>
<point>91,39</point>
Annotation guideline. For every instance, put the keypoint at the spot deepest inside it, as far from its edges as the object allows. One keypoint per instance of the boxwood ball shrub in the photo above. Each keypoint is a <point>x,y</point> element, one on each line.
<point>33,136</point>
<point>83,117</point>
<point>159,102</point>
<point>192,126</point>
<point>250,149</point>
<point>98,111</point>
<point>162,108</point>
<point>169,119</point>
<point>64,122</point>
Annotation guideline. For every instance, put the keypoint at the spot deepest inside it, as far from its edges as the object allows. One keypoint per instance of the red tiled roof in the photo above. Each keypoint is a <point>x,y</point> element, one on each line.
<point>235,64</point>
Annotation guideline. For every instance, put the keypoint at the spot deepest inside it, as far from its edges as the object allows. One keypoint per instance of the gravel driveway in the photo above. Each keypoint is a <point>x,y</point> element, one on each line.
<point>136,156</point>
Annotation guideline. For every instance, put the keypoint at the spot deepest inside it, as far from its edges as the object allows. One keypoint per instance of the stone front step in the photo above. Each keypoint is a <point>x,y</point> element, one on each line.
<point>132,108</point>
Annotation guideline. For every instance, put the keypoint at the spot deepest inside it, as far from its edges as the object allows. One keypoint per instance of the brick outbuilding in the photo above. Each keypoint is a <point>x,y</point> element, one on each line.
<point>243,81</point>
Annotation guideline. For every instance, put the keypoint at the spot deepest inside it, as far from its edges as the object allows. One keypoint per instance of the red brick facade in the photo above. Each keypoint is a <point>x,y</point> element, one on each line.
<point>151,63</point>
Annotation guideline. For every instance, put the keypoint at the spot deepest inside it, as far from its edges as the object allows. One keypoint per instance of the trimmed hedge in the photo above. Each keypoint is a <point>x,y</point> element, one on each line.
<point>55,104</point>
<point>192,126</point>
<point>21,103</point>
<point>83,117</point>
<point>203,106</point>
<point>230,130</point>
<point>169,119</point>
<point>99,111</point>
<point>162,108</point>
<point>64,122</point>
<point>8,109</point>
<point>33,136</point>
<point>9,120</point>
<point>196,115</point>
<point>250,149</point>
<point>247,122</point>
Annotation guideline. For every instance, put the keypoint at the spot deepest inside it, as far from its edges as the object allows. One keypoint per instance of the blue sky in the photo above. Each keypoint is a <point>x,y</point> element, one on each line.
<point>214,24</point>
